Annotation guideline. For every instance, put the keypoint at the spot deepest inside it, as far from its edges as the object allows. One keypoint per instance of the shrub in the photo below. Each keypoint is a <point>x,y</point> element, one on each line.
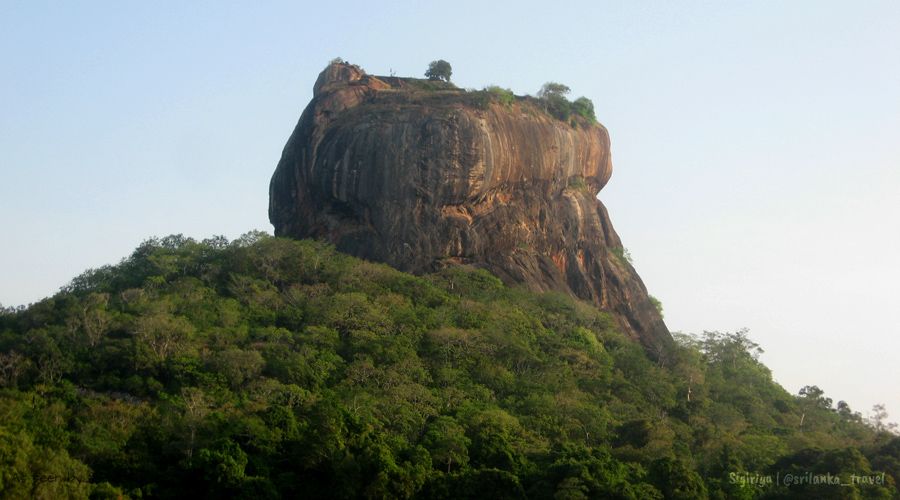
<point>658,305</point>
<point>577,183</point>
<point>502,95</point>
<point>553,96</point>
<point>584,108</point>
<point>622,254</point>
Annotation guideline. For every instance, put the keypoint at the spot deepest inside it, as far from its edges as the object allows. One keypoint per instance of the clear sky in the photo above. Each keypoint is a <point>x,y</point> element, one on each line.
<point>756,145</point>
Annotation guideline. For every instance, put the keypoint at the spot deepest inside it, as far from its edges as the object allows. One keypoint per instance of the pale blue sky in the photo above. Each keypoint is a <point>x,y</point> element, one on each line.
<point>755,144</point>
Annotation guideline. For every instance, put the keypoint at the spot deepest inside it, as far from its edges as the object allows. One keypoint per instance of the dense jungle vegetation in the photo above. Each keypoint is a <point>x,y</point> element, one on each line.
<point>268,368</point>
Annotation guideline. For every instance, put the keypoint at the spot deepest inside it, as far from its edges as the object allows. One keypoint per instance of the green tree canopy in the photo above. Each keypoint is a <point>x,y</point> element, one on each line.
<point>273,368</point>
<point>552,89</point>
<point>439,70</point>
<point>584,108</point>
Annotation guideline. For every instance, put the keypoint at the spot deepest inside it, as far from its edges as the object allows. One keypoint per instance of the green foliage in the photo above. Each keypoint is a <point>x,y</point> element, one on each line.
<point>553,97</point>
<point>553,89</point>
<point>28,470</point>
<point>577,183</point>
<point>267,368</point>
<point>502,95</point>
<point>656,304</point>
<point>447,443</point>
<point>439,70</point>
<point>846,466</point>
<point>878,419</point>
<point>558,106</point>
<point>622,254</point>
<point>676,479</point>
<point>584,108</point>
<point>431,85</point>
<point>482,99</point>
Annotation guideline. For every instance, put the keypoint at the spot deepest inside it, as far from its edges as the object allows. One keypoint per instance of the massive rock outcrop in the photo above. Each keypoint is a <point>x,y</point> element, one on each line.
<point>421,175</point>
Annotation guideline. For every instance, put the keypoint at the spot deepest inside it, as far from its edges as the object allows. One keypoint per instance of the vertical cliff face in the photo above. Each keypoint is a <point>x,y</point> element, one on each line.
<point>397,171</point>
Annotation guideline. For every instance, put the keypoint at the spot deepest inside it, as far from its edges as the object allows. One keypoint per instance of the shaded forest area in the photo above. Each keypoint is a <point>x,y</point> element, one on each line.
<point>268,368</point>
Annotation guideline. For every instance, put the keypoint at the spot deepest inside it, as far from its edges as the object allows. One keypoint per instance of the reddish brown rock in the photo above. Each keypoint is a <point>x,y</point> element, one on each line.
<point>420,175</point>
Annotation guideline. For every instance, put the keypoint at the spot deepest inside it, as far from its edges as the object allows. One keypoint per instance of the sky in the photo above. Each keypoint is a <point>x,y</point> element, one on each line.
<point>755,144</point>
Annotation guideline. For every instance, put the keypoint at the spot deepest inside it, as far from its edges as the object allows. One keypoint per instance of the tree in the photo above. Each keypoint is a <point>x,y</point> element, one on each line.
<point>447,442</point>
<point>554,96</point>
<point>878,420</point>
<point>161,334</point>
<point>676,480</point>
<point>31,471</point>
<point>584,107</point>
<point>816,396</point>
<point>12,364</point>
<point>439,70</point>
<point>729,348</point>
<point>812,398</point>
<point>269,368</point>
<point>92,319</point>
<point>237,365</point>
<point>553,89</point>
<point>223,464</point>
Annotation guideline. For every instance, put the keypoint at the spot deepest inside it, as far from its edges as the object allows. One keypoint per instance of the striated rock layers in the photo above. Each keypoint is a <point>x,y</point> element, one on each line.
<point>420,175</point>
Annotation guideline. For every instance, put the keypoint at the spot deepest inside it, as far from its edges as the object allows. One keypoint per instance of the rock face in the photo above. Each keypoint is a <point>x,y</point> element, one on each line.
<point>421,176</point>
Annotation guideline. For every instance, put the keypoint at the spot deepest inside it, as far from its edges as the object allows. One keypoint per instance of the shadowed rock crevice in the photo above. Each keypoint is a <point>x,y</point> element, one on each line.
<point>421,178</point>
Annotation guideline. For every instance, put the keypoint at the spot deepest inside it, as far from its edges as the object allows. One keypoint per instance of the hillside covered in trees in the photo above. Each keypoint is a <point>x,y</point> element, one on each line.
<point>269,368</point>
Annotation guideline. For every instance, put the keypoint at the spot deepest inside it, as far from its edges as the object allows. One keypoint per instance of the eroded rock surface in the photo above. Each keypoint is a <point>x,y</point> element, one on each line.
<point>398,171</point>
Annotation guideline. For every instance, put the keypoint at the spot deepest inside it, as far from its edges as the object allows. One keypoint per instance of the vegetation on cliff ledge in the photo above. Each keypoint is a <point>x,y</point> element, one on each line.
<point>551,98</point>
<point>439,70</point>
<point>266,368</point>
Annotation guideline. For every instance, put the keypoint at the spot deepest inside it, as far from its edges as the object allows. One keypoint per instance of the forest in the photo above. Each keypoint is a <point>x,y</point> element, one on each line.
<point>271,368</point>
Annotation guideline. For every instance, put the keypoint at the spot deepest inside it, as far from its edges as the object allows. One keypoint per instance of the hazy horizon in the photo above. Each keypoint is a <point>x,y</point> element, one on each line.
<point>754,145</point>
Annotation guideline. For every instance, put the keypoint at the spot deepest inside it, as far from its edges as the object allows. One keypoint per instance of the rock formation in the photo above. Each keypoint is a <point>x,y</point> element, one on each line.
<point>421,175</point>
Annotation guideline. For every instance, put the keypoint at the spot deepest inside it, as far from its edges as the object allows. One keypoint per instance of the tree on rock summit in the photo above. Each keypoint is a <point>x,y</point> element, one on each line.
<point>439,70</point>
